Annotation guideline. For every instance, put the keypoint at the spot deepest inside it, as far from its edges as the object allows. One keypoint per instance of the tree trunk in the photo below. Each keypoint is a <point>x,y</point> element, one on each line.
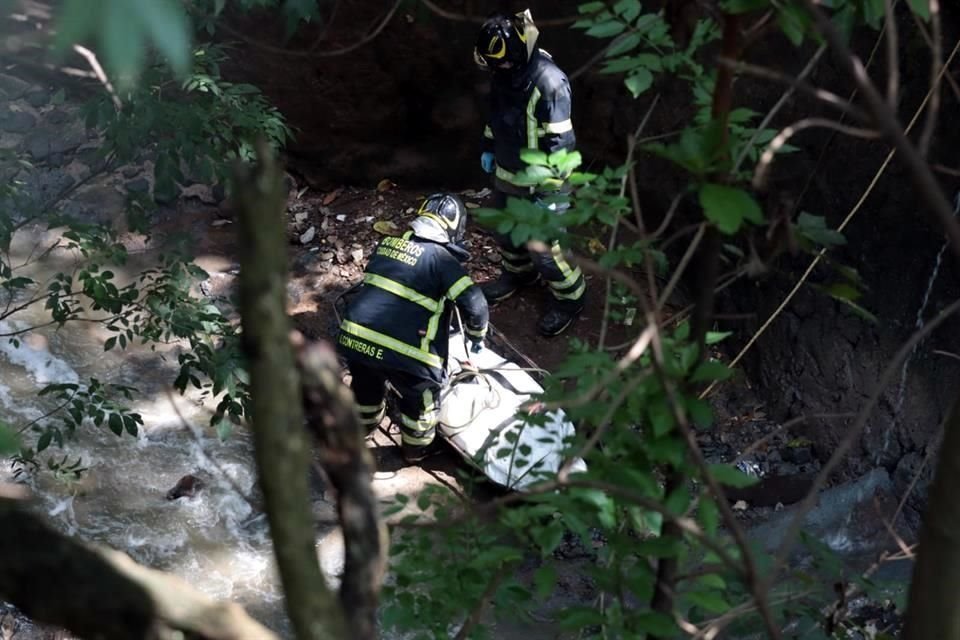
<point>282,446</point>
<point>932,610</point>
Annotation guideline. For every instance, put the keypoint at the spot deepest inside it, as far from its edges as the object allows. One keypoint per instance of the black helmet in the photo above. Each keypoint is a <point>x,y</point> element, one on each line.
<point>444,213</point>
<point>505,38</point>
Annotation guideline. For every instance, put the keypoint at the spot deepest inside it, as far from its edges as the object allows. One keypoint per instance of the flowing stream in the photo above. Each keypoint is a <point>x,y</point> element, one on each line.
<point>216,540</point>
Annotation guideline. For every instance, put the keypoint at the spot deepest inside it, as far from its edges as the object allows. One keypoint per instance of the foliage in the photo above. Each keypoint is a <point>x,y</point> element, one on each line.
<point>645,478</point>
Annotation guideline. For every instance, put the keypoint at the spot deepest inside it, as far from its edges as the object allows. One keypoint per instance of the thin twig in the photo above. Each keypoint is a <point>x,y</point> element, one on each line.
<point>681,266</point>
<point>460,17</point>
<point>920,174</point>
<point>936,61</point>
<point>796,82</point>
<point>668,218</point>
<point>381,25</point>
<point>91,59</point>
<point>807,70</point>
<point>767,157</point>
<point>893,58</point>
<point>475,615</point>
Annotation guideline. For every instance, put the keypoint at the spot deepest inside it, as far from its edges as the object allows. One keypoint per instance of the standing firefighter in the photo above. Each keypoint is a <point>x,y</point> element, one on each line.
<point>529,109</point>
<point>396,327</point>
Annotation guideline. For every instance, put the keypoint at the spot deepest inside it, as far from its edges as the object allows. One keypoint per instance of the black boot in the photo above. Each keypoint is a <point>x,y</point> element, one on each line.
<point>413,454</point>
<point>506,285</point>
<point>559,316</point>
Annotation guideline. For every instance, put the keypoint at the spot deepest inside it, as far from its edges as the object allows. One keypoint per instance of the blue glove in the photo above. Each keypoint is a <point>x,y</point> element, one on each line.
<point>486,161</point>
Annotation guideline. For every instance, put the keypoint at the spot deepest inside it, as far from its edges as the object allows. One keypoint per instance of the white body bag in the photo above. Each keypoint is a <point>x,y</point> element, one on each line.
<point>478,416</point>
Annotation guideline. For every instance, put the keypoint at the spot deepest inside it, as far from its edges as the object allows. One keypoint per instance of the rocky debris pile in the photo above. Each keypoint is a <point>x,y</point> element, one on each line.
<point>56,162</point>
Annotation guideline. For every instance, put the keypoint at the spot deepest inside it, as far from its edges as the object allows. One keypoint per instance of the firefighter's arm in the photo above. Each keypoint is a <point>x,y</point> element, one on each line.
<point>554,113</point>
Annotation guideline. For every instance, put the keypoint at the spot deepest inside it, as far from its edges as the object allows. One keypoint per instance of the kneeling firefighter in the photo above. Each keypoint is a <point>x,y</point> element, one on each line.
<point>396,326</point>
<point>530,108</point>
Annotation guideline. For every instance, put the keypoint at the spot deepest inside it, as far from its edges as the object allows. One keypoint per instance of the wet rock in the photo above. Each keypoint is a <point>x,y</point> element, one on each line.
<point>37,98</point>
<point>43,186</point>
<point>12,87</point>
<point>909,468</point>
<point>42,143</point>
<point>846,517</point>
<point>798,455</point>
<point>165,196</point>
<point>140,185</point>
<point>92,157</point>
<point>773,490</point>
<point>131,172</point>
<point>16,121</point>
<point>187,487</point>
<point>58,116</point>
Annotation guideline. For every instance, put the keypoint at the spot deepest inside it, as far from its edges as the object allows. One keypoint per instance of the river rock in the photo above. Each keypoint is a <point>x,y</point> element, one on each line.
<point>16,121</point>
<point>131,172</point>
<point>140,185</point>
<point>58,116</point>
<point>186,487</point>
<point>37,98</point>
<point>11,87</point>
<point>42,143</point>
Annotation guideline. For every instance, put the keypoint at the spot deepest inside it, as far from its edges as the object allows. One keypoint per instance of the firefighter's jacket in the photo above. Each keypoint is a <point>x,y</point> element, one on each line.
<point>529,109</point>
<point>400,316</point>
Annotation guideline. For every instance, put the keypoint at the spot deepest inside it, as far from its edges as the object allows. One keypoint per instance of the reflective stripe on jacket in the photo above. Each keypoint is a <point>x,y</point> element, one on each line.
<point>399,317</point>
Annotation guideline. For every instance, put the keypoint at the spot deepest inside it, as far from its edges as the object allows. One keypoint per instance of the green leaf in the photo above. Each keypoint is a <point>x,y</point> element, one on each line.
<point>920,7</point>
<point>639,81</point>
<point>169,29</point>
<point>700,412</point>
<point>713,337</point>
<point>743,6</point>
<point>591,7</point>
<point>9,441</point>
<point>534,157</point>
<point>709,601</point>
<point>130,424</point>
<point>728,207</point>
<point>709,515</point>
<point>793,22</point>
<point>544,580</point>
<point>661,417</point>
<point>623,44</point>
<point>115,422</point>
<point>606,29</point>
<point>732,477</point>
<point>710,371</point>
<point>110,343</point>
<point>44,440</point>
<point>656,624</point>
<point>578,617</point>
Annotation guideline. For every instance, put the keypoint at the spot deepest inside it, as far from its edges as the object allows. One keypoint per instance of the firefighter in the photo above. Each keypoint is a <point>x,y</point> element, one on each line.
<point>396,326</point>
<point>529,108</point>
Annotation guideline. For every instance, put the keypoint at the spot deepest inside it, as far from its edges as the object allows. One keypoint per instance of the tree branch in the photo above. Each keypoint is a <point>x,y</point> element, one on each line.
<point>331,417</point>
<point>101,593</point>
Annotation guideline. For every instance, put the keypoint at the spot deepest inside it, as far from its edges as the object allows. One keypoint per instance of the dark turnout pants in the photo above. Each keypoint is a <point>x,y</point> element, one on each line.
<point>417,400</point>
<point>566,282</point>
